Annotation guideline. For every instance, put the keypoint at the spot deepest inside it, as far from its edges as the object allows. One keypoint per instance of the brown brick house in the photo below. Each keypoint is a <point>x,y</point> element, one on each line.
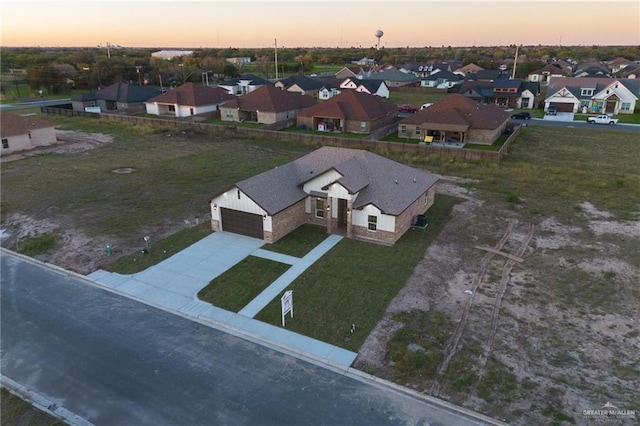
<point>351,192</point>
<point>266,105</point>
<point>455,119</point>
<point>350,111</point>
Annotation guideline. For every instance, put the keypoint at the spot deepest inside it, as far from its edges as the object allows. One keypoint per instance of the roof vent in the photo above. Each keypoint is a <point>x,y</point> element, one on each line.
<point>414,180</point>
<point>396,181</point>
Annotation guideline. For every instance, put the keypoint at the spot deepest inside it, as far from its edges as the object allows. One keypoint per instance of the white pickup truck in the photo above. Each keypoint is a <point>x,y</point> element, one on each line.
<point>602,119</point>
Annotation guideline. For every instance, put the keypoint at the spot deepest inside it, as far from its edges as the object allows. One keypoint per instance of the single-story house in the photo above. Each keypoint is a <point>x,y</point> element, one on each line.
<point>468,69</point>
<point>357,72</point>
<point>117,97</point>
<point>349,192</point>
<point>244,84</point>
<point>395,78</point>
<point>372,87</point>
<point>504,92</point>
<point>349,111</point>
<point>441,80</point>
<point>593,95</point>
<point>455,119</point>
<point>21,133</point>
<point>266,105</point>
<point>187,100</point>
<point>300,84</point>
<point>542,75</point>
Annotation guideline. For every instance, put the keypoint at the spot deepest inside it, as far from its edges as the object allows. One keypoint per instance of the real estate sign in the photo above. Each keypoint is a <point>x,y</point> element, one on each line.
<point>287,304</point>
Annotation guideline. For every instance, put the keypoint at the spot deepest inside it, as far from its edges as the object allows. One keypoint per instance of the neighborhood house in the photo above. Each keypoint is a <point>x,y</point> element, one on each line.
<point>20,133</point>
<point>350,192</point>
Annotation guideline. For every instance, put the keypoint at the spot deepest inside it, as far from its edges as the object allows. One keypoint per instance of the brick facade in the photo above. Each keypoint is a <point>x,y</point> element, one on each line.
<point>285,222</point>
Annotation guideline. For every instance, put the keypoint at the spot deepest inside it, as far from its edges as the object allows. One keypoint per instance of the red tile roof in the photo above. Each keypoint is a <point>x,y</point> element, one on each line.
<point>352,105</point>
<point>271,99</point>
<point>14,125</point>
<point>191,94</point>
<point>459,111</point>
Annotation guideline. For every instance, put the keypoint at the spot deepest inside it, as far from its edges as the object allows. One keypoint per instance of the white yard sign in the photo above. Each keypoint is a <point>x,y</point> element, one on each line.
<point>287,304</point>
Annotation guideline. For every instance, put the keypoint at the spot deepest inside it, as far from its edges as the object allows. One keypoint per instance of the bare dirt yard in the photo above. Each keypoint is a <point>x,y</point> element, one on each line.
<point>524,309</point>
<point>539,320</point>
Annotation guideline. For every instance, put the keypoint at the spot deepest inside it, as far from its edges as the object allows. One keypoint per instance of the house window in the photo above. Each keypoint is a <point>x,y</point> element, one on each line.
<point>403,130</point>
<point>29,135</point>
<point>625,106</point>
<point>417,130</point>
<point>228,113</point>
<point>373,222</point>
<point>5,143</point>
<point>172,108</point>
<point>363,126</point>
<point>238,194</point>
<point>319,207</point>
<point>587,92</point>
<point>525,102</point>
<point>191,111</point>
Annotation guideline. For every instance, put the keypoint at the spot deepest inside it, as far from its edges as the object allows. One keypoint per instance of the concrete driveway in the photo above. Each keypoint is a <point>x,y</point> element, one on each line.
<point>180,277</point>
<point>561,116</point>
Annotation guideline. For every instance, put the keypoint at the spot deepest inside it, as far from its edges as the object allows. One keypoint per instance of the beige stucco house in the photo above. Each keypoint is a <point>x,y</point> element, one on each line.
<point>21,133</point>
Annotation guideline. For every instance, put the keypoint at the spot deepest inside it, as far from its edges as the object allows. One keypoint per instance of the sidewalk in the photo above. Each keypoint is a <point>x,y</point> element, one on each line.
<point>173,284</point>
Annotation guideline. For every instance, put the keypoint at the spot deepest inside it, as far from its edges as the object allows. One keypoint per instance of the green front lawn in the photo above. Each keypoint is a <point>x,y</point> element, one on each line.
<point>354,283</point>
<point>299,242</point>
<point>238,286</point>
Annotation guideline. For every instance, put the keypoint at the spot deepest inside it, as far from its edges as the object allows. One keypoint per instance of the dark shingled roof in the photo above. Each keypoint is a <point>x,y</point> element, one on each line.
<point>15,125</point>
<point>270,98</point>
<point>127,93</point>
<point>389,185</point>
<point>460,112</point>
<point>192,94</point>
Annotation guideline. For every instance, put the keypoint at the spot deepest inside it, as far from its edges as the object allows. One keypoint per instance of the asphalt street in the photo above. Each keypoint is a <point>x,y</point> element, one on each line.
<point>114,361</point>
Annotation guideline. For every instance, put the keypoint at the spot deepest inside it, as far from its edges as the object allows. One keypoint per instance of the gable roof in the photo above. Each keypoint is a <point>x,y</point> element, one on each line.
<point>387,184</point>
<point>393,74</point>
<point>352,105</point>
<point>303,82</point>
<point>192,94</point>
<point>459,113</point>
<point>575,84</point>
<point>15,125</point>
<point>127,93</point>
<point>270,99</point>
<point>254,79</point>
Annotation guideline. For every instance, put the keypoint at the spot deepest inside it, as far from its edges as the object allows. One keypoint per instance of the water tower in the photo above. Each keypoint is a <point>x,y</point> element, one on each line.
<point>379,35</point>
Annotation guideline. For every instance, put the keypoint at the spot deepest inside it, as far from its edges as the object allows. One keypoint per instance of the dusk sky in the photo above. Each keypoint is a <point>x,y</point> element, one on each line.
<point>306,23</point>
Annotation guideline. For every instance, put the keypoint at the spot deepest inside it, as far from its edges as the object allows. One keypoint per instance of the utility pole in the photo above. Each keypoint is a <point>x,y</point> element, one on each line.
<point>515,64</point>
<point>139,77</point>
<point>276,54</point>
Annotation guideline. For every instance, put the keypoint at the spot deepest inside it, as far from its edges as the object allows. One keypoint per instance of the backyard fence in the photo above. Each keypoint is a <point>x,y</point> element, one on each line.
<point>305,138</point>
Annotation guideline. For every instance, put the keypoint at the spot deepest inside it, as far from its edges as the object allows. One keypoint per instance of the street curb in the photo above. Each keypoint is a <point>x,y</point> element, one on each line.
<point>42,403</point>
<point>347,371</point>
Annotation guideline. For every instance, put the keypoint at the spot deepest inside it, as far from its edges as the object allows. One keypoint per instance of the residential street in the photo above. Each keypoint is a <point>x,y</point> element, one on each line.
<point>114,361</point>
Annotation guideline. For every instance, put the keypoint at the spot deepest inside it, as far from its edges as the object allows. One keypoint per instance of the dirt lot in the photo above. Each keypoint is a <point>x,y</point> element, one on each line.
<point>538,318</point>
<point>521,346</point>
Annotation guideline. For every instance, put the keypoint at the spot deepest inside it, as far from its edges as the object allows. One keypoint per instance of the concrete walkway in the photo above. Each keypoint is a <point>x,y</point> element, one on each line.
<point>173,284</point>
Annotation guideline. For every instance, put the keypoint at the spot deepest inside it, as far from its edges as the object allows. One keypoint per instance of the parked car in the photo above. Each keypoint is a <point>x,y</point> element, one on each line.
<point>602,119</point>
<point>521,116</point>
<point>407,109</point>
<point>552,110</point>
<point>427,105</point>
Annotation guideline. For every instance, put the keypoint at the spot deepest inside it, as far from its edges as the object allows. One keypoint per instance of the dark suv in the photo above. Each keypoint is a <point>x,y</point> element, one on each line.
<point>521,116</point>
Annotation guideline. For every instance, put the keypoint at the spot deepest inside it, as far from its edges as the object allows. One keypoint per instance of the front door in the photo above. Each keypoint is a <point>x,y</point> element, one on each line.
<point>342,213</point>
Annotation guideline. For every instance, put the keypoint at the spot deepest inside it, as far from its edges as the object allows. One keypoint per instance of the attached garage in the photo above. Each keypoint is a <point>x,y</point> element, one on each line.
<point>562,106</point>
<point>243,223</point>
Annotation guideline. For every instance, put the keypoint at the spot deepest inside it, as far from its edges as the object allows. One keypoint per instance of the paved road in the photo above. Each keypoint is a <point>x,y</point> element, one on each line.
<point>114,361</point>
<point>33,103</point>
<point>578,125</point>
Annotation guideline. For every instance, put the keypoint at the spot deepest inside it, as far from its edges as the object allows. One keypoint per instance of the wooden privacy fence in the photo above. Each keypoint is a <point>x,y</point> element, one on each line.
<point>298,137</point>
